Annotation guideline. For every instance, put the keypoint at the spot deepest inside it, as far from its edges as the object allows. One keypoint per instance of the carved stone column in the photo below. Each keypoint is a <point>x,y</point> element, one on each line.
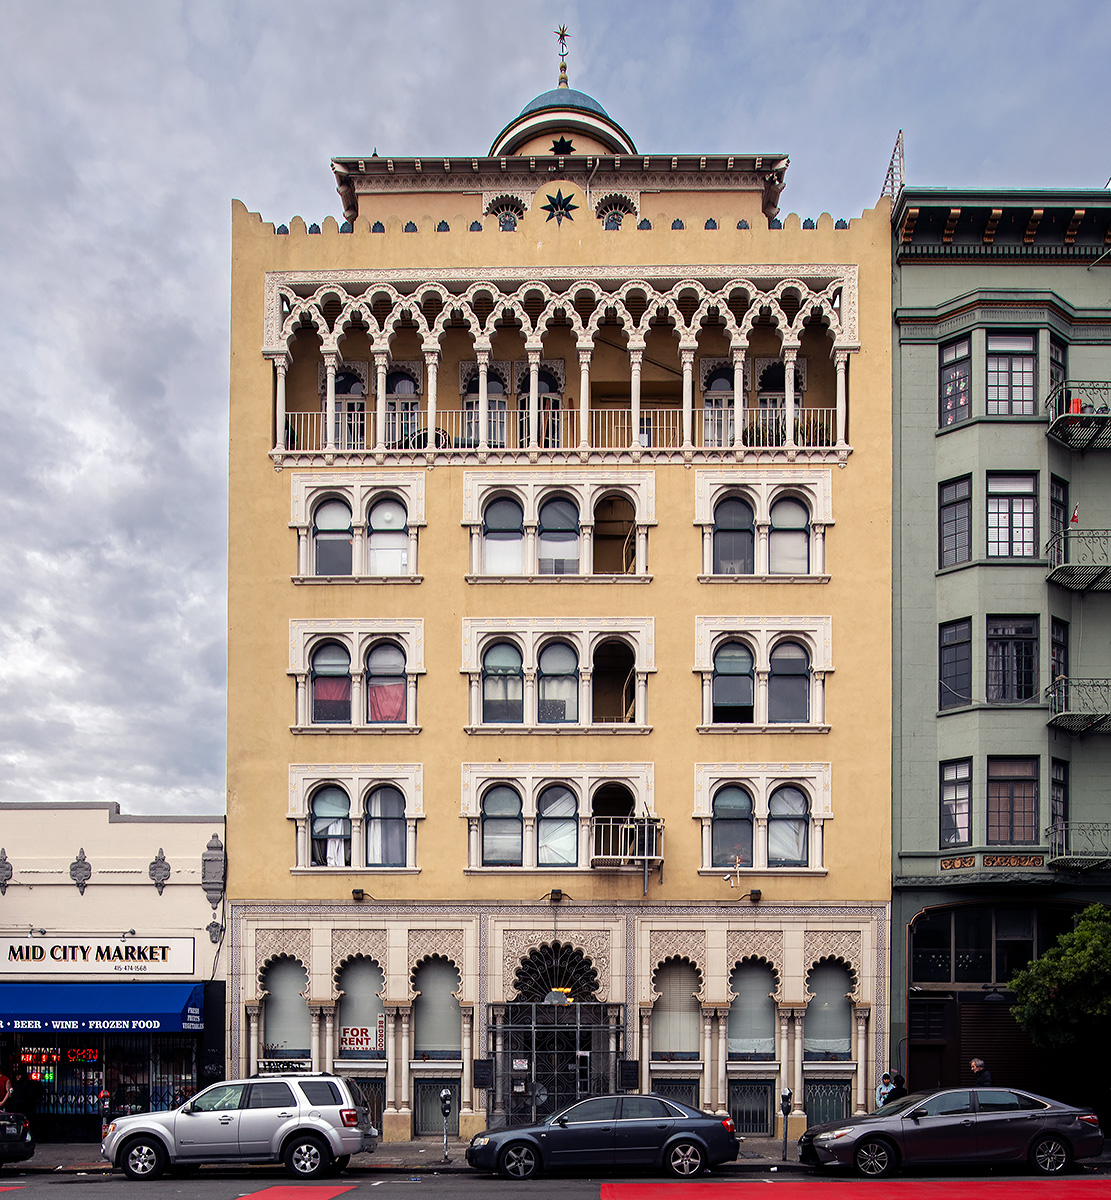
<point>406,1013</point>
<point>329,1036</point>
<point>723,1060</point>
<point>789,357</point>
<point>252,1046</point>
<point>392,1071</point>
<point>330,358</point>
<point>636,358</point>
<point>841,360</point>
<point>314,1036</point>
<point>381,361</point>
<point>431,363</point>
<point>280,366</point>
<point>708,1056</point>
<point>861,1012</point>
<point>686,355</point>
<point>483,357</point>
<point>738,396</point>
<point>533,352</point>
<point>799,1015</point>
<point>466,1087</point>
<point>585,351</point>
<point>646,1049</point>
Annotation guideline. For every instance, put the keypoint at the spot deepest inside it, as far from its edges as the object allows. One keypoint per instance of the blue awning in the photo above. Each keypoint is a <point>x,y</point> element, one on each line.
<point>102,1007</point>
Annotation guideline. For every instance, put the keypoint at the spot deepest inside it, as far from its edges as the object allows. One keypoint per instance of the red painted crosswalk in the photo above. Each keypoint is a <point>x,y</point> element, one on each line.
<point>864,1189</point>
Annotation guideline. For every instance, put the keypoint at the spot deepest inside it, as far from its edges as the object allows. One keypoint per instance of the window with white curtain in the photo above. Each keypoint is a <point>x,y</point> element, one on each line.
<point>731,828</point>
<point>752,1012</point>
<point>361,984</point>
<point>676,1015</point>
<point>789,538</point>
<point>437,1022</point>
<point>788,827</point>
<point>558,684</point>
<point>502,828</point>
<point>331,828</point>
<point>385,828</point>
<point>827,1026</point>
<point>559,537</point>
<point>503,538</point>
<point>286,1027</point>
<point>503,685</point>
<point>734,537</point>
<point>387,539</point>
<point>557,827</point>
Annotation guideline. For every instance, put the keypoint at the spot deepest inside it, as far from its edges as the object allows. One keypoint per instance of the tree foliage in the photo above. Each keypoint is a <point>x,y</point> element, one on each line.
<point>1064,997</point>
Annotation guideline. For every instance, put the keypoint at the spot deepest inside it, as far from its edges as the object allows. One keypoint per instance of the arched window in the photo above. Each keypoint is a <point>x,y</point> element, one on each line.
<point>558,684</point>
<point>731,828</point>
<point>557,827</point>
<point>717,409</point>
<point>549,431</point>
<point>789,684</point>
<point>286,1025</point>
<point>752,1012</point>
<point>789,538</point>
<point>503,685</point>
<point>437,1020</point>
<point>388,539</point>
<point>734,538</point>
<point>331,538</point>
<point>788,828</point>
<point>559,537</point>
<point>732,686</point>
<point>331,828</point>
<point>361,1015</point>
<point>827,1026</point>
<point>496,417</point>
<point>613,683</point>
<point>386,685</point>
<point>676,1015</point>
<point>502,828</point>
<point>402,408</point>
<point>385,828</point>
<point>503,538</point>
<point>350,411</point>
<point>331,685</point>
<point>615,534</point>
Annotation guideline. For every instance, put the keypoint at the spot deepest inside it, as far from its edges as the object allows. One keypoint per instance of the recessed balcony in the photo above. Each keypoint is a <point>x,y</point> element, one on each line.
<point>1080,560</point>
<point>1080,706</point>
<point>1079,414</point>
<point>618,842</point>
<point>1079,845</point>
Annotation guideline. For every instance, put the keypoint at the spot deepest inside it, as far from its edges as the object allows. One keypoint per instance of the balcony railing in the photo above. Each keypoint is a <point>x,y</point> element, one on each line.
<point>1079,845</point>
<point>458,431</point>
<point>626,841</point>
<point>1080,705</point>
<point>1080,559</point>
<point>1079,414</point>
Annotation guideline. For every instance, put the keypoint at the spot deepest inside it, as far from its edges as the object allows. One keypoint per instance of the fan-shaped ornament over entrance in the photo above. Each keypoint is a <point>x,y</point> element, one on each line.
<point>556,973</point>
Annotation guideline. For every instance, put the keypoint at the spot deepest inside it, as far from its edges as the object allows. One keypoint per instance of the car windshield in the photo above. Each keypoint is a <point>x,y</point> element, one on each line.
<point>895,1107</point>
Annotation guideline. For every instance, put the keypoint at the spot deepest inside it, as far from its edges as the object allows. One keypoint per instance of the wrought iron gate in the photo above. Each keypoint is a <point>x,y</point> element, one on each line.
<point>827,1100</point>
<point>752,1106</point>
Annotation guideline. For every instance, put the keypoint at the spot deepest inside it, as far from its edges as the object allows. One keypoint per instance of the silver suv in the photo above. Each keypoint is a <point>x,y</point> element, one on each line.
<point>312,1123</point>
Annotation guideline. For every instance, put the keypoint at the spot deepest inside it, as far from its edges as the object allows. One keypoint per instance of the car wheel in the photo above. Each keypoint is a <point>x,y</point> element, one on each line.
<point>306,1157</point>
<point>875,1158</point>
<point>143,1158</point>
<point>519,1160</point>
<point>684,1159</point>
<point>1050,1155</point>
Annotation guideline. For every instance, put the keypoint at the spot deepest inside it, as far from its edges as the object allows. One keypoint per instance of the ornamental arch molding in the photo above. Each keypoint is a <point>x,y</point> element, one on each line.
<point>595,945</point>
<point>679,960</point>
<point>271,944</point>
<point>436,956</point>
<point>835,960</point>
<point>756,946</point>
<point>349,944</point>
<point>689,944</point>
<point>436,943</point>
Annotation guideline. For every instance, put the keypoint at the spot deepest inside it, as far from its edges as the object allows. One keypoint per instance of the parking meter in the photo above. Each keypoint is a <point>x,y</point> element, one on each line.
<point>785,1109</point>
<point>445,1108</point>
<point>105,1099</point>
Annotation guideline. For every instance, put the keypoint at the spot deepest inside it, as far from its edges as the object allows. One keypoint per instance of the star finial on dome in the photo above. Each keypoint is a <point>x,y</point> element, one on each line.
<point>563,35</point>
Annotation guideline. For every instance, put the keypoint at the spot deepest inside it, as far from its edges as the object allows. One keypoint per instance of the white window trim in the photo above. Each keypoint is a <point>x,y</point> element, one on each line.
<point>761,635</point>
<point>760,780</point>
<point>357,489</point>
<point>531,488</point>
<point>761,489</point>
<point>530,635</point>
<point>356,636</point>
<point>357,779</point>
<point>529,780</point>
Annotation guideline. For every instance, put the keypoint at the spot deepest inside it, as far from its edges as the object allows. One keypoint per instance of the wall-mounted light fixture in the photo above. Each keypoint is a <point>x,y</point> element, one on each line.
<point>127,933</point>
<point>358,895</point>
<point>35,931</point>
<point>555,896</point>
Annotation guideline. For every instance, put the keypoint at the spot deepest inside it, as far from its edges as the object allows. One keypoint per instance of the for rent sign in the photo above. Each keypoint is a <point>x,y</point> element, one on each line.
<point>363,1039</point>
<point>32,957</point>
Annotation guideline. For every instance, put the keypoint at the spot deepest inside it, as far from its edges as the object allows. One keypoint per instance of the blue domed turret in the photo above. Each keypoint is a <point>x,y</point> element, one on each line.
<point>564,97</point>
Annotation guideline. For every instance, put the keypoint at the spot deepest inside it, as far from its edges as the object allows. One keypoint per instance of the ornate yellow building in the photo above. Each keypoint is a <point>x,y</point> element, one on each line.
<point>559,633</point>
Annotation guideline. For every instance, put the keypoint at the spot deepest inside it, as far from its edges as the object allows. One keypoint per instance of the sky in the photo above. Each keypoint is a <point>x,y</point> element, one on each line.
<point>127,127</point>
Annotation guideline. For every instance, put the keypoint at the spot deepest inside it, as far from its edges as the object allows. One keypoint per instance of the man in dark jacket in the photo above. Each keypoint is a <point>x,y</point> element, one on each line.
<point>981,1076</point>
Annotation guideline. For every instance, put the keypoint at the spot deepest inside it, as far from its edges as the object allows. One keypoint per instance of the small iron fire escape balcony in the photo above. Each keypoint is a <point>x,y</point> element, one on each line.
<point>1080,706</point>
<point>1080,560</point>
<point>620,843</point>
<point>1079,845</point>
<point>1079,414</point>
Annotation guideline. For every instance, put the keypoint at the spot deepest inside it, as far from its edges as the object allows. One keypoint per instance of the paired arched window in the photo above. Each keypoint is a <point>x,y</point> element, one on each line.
<point>789,538</point>
<point>827,1026</point>
<point>558,684</point>
<point>557,827</point>
<point>789,684</point>
<point>503,685</point>
<point>385,828</point>
<point>387,539</point>
<point>503,538</point>
<point>734,537</point>
<point>788,827</point>
<point>502,828</point>
<point>559,537</point>
<point>331,827</point>
<point>386,684</point>
<point>331,685</point>
<point>731,828</point>
<point>332,538</point>
<point>733,684</point>
<point>752,1012</point>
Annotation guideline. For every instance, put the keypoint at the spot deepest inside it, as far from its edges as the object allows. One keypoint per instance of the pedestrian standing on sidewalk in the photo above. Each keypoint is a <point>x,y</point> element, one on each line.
<point>981,1076</point>
<point>885,1086</point>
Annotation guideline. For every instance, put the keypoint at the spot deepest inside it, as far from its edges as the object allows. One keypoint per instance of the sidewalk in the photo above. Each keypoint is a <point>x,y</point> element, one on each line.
<point>757,1155</point>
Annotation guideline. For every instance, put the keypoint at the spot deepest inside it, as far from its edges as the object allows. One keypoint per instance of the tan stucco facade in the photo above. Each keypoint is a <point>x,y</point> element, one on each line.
<point>642,319</point>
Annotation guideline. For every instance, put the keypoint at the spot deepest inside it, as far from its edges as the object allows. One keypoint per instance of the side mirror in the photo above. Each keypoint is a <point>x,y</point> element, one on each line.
<point>562,1122</point>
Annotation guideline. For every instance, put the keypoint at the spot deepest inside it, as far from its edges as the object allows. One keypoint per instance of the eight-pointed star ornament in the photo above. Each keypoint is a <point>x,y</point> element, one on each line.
<point>559,206</point>
<point>562,145</point>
